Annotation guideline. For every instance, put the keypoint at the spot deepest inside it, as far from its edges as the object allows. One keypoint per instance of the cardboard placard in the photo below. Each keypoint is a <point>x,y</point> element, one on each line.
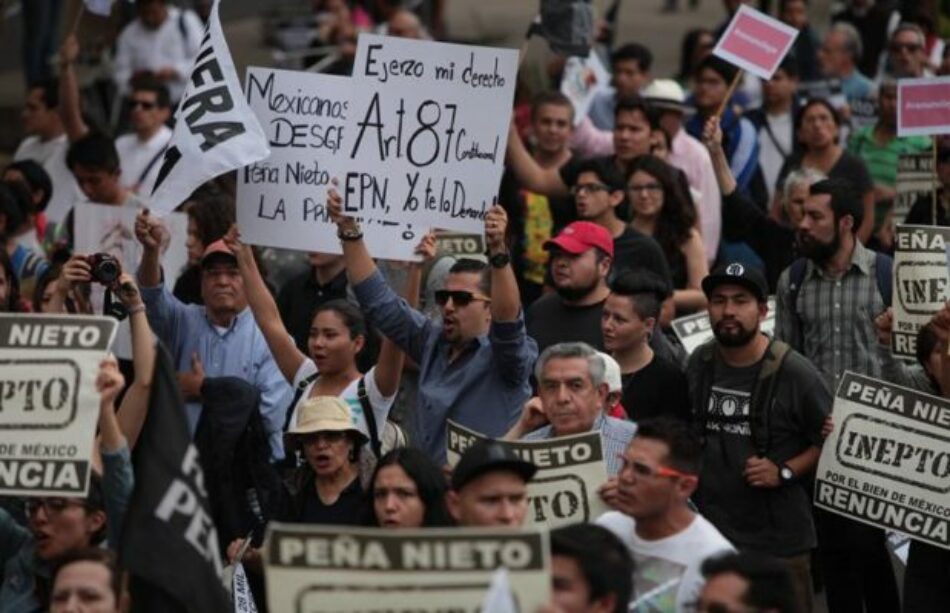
<point>921,284</point>
<point>331,569</point>
<point>755,42</point>
<point>49,407</point>
<point>887,462</point>
<point>923,106</point>
<point>570,471</point>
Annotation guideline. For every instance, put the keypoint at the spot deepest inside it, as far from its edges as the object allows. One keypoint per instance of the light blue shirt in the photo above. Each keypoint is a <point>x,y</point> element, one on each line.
<point>856,86</point>
<point>239,351</point>
<point>602,109</point>
<point>615,434</point>
<point>484,388</point>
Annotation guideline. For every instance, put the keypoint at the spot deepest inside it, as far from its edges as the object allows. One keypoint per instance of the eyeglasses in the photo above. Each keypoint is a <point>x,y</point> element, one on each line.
<point>645,470</point>
<point>588,188</point>
<point>898,47</point>
<point>646,188</point>
<point>146,105</point>
<point>460,298</point>
<point>52,506</point>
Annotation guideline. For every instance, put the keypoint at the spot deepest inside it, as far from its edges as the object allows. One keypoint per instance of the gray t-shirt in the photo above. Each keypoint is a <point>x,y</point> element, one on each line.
<point>776,521</point>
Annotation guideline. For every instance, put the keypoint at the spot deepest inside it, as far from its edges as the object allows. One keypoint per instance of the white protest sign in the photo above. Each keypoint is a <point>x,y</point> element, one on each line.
<point>570,471</point>
<point>215,131</point>
<point>426,132</point>
<point>583,79</point>
<point>694,330</point>
<point>241,595</point>
<point>281,200</point>
<point>915,179</point>
<point>921,284</point>
<point>331,569</point>
<point>99,228</point>
<point>923,106</point>
<point>49,406</point>
<point>887,461</point>
<point>755,42</point>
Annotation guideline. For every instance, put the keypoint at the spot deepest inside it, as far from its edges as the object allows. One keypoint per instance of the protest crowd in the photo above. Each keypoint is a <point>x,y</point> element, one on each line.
<point>403,329</point>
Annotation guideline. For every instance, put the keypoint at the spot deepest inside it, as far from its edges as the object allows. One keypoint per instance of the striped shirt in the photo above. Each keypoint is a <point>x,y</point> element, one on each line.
<point>832,321</point>
<point>882,161</point>
<point>615,434</point>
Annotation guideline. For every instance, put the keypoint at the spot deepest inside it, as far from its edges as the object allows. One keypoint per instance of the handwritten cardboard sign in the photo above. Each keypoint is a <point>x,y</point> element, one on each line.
<point>426,132</point>
<point>570,471</point>
<point>49,406</point>
<point>755,42</point>
<point>281,200</point>
<point>923,106</point>
<point>329,569</point>
<point>887,462</point>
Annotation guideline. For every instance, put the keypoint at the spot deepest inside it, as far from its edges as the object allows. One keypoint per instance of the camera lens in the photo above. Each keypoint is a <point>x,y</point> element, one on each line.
<point>107,271</point>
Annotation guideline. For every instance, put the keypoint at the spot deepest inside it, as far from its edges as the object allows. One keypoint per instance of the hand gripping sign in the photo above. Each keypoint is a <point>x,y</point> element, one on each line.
<point>755,42</point>
<point>49,407</point>
<point>923,106</point>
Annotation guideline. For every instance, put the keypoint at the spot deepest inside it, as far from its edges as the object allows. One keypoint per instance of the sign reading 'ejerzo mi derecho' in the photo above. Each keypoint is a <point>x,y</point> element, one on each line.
<point>887,463</point>
<point>48,403</point>
<point>323,569</point>
<point>570,471</point>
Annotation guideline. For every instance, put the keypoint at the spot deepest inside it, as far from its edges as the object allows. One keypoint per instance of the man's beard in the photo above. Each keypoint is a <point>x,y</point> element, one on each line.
<point>740,337</point>
<point>573,294</point>
<point>818,252</point>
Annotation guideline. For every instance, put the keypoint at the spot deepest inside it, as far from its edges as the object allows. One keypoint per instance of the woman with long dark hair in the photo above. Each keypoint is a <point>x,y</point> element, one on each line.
<point>408,491</point>
<point>661,209</point>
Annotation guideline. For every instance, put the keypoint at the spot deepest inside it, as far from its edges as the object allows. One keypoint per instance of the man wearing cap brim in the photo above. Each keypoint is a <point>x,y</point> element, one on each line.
<point>219,339</point>
<point>490,486</point>
<point>759,406</point>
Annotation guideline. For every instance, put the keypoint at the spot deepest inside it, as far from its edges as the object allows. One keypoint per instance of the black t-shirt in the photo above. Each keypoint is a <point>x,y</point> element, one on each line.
<point>550,321</point>
<point>300,296</point>
<point>659,388</point>
<point>633,249</point>
<point>848,167</point>
<point>775,521</point>
<point>352,508</point>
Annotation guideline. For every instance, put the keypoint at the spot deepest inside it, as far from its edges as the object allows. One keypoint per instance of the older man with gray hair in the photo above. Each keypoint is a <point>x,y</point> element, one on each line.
<point>573,390</point>
<point>838,57</point>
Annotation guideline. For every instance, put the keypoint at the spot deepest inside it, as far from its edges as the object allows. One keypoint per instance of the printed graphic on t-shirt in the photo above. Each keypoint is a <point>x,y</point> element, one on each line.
<point>656,582</point>
<point>728,412</point>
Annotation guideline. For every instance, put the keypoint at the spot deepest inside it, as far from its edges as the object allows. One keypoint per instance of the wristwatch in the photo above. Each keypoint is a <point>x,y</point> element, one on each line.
<point>352,233</point>
<point>786,473</point>
<point>499,260</point>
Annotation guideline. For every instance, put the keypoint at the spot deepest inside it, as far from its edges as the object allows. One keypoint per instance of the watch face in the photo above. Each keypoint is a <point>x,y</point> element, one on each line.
<point>787,473</point>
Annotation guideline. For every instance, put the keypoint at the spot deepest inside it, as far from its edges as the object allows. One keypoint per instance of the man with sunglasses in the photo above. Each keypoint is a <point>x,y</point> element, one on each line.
<point>474,364</point>
<point>668,540</point>
<point>906,58</point>
<point>759,406</point>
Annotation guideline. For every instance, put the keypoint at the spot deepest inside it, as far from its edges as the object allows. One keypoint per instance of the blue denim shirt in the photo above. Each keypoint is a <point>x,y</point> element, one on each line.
<point>483,389</point>
<point>615,435</point>
<point>239,351</point>
<point>20,566</point>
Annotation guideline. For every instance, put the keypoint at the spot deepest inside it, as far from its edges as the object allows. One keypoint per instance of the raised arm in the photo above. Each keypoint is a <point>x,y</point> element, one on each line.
<point>70,107</point>
<point>134,406</point>
<point>281,344</point>
<point>545,181</point>
<point>505,298</point>
<point>150,232</point>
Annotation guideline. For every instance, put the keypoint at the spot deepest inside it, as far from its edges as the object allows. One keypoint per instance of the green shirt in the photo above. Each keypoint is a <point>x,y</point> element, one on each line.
<point>882,161</point>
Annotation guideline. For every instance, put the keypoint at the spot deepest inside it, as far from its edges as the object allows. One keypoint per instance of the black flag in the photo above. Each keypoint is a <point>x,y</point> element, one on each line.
<point>567,25</point>
<point>169,543</point>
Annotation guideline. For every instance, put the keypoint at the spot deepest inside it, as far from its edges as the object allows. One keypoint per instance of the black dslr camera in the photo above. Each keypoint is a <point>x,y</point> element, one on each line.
<point>104,268</point>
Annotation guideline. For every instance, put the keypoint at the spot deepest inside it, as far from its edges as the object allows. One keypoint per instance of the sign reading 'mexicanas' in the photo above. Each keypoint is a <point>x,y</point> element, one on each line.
<point>49,407</point>
<point>426,132</point>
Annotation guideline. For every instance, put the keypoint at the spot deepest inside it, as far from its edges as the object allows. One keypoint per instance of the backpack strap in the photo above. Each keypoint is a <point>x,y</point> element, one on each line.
<point>883,266</point>
<point>796,276</point>
<point>298,392</point>
<point>371,425</point>
<point>763,394</point>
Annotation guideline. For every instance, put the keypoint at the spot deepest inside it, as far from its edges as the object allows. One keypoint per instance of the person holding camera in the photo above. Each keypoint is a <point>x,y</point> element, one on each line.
<point>217,339</point>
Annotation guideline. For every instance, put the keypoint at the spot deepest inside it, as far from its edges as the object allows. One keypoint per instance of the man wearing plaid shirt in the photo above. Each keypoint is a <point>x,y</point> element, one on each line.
<point>826,311</point>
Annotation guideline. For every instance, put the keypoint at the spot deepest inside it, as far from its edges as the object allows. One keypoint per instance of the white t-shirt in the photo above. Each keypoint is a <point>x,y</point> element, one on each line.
<point>381,404</point>
<point>135,156</point>
<point>51,155</point>
<point>667,574</point>
<point>770,157</point>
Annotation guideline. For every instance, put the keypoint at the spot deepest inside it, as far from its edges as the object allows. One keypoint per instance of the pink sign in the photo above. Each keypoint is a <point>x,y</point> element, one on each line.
<point>923,106</point>
<point>755,42</point>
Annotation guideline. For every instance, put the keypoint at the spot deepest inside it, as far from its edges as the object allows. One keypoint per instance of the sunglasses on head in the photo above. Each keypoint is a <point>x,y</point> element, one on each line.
<point>146,105</point>
<point>460,298</point>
